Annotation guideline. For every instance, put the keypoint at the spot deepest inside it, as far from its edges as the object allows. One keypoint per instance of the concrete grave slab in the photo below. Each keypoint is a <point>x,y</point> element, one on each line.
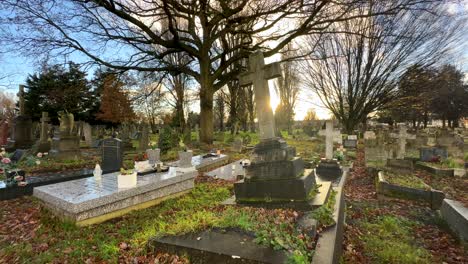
<point>205,164</point>
<point>232,171</point>
<point>456,216</point>
<point>88,201</point>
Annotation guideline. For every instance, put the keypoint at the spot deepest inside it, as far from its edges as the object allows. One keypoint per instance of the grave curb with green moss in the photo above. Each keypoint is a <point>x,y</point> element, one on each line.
<point>433,197</point>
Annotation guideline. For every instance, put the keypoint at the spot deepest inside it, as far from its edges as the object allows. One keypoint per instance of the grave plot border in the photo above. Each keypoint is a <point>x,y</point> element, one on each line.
<point>435,170</point>
<point>7,193</point>
<point>456,216</point>
<point>433,197</point>
<point>329,246</point>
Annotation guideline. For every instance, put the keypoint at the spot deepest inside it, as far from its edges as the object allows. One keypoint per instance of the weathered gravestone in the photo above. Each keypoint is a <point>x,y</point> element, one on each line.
<point>452,142</point>
<point>402,136</point>
<point>124,135</point>
<point>22,136</point>
<point>350,142</point>
<point>43,145</point>
<point>88,135</point>
<point>66,142</point>
<point>237,145</point>
<point>275,174</point>
<point>111,154</point>
<point>144,139</point>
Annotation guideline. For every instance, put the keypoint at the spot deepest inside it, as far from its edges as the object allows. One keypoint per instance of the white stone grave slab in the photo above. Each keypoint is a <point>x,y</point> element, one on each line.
<point>204,164</point>
<point>228,172</point>
<point>89,200</point>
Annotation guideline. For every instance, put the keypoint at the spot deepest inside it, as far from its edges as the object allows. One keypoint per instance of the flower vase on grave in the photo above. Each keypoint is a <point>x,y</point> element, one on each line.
<point>127,179</point>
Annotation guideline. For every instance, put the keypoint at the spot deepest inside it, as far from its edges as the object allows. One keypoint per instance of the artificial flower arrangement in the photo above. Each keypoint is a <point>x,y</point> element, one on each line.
<point>13,176</point>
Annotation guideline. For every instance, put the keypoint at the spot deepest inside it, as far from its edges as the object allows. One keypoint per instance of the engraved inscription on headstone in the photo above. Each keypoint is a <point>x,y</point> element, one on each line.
<point>112,154</point>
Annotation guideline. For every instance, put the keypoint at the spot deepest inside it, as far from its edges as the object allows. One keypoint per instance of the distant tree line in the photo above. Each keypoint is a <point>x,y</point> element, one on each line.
<point>65,88</point>
<point>428,93</point>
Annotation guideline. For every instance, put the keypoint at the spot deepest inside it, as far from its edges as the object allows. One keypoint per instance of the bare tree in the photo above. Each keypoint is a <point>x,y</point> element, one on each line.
<point>355,73</point>
<point>127,35</point>
<point>288,90</point>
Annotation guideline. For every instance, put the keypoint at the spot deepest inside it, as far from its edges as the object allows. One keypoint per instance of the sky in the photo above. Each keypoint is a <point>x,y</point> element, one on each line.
<point>15,68</point>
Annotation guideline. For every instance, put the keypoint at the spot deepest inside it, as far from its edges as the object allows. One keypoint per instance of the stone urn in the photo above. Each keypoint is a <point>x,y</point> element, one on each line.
<point>185,159</point>
<point>153,155</point>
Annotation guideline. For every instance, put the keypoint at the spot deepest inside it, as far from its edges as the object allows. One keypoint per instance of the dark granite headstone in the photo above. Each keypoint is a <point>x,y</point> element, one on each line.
<point>429,153</point>
<point>112,154</point>
<point>329,170</point>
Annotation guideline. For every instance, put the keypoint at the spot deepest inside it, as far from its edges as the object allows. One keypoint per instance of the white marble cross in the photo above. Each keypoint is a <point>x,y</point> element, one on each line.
<point>329,135</point>
<point>258,76</point>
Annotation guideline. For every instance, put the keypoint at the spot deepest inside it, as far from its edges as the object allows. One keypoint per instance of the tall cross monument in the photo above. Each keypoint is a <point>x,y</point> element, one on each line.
<point>258,76</point>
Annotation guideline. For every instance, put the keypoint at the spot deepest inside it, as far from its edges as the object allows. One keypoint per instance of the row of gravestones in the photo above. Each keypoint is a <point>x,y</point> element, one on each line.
<point>384,144</point>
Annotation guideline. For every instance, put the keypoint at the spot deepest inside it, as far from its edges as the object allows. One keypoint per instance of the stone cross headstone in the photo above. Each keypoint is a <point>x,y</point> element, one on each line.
<point>329,140</point>
<point>112,154</point>
<point>43,145</point>
<point>258,76</point>
<point>330,135</point>
<point>402,137</point>
<point>44,127</point>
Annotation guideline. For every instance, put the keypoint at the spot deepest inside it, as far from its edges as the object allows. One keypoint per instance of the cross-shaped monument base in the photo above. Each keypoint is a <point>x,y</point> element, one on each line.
<point>275,175</point>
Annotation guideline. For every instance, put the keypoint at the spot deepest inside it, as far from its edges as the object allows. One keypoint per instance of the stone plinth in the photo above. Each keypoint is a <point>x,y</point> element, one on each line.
<point>279,190</point>
<point>274,176</point>
<point>22,137</point>
<point>329,169</point>
<point>65,147</point>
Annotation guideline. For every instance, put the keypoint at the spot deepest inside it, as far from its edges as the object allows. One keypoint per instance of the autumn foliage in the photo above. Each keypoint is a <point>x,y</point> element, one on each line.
<point>116,106</point>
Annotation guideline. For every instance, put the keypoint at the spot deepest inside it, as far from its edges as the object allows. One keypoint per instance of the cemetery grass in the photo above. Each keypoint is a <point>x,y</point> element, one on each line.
<point>29,232</point>
<point>393,230</point>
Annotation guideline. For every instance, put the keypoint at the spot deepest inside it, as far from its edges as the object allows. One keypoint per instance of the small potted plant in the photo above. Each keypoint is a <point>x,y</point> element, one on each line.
<point>185,156</point>
<point>153,153</point>
<point>127,177</point>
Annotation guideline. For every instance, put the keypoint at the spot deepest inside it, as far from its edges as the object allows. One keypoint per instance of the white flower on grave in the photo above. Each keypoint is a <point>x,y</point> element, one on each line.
<point>38,162</point>
<point>46,153</point>
<point>39,154</point>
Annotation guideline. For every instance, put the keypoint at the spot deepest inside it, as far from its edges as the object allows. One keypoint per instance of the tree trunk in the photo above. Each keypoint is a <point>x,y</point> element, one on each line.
<point>206,106</point>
